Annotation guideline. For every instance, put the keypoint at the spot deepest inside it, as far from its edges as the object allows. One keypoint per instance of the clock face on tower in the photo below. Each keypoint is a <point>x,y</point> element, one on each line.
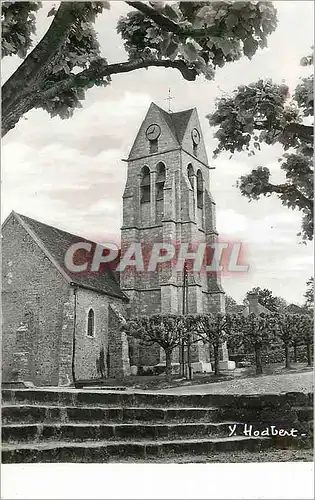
<point>153,131</point>
<point>195,136</point>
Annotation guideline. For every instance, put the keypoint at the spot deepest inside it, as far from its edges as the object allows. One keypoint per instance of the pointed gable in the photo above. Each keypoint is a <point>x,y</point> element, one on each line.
<point>175,133</point>
<point>168,136</point>
<point>55,242</point>
<point>186,141</point>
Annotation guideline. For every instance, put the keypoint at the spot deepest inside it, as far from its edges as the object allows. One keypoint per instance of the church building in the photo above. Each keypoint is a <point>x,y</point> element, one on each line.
<point>59,326</point>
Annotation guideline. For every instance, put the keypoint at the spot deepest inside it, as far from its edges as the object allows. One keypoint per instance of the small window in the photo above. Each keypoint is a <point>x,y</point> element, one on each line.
<point>154,146</point>
<point>90,325</point>
<point>195,149</point>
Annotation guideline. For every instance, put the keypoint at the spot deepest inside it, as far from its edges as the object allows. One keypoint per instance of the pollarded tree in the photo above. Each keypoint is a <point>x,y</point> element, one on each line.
<point>192,37</point>
<point>263,112</point>
<point>306,332</point>
<point>214,330</point>
<point>256,334</point>
<point>286,327</point>
<point>189,326</point>
<point>162,329</point>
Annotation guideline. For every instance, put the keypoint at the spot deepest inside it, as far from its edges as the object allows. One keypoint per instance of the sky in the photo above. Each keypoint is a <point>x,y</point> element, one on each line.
<point>69,173</point>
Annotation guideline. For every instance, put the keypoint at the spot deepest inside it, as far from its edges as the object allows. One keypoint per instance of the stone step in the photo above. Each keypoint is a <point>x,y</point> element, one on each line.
<point>98,432</point>
<point>12,414</point>
<point>46,413</point>
<point>108,451</point>
<point>268,415</point>
<point>76,397</point>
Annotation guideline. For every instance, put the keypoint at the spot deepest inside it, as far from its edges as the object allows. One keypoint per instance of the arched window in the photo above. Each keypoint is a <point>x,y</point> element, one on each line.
<point>190,173</point>
<point>160,181</point>
<point>199,189</point>
<point>145,186</point>
<point>90,324</point>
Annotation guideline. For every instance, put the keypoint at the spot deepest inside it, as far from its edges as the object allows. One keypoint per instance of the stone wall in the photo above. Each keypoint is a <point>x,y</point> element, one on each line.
<point>34,297</point>
<point>106,336</point>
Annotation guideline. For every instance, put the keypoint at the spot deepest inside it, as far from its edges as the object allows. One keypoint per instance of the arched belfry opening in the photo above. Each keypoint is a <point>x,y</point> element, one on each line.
<point>199,190</point>
<point>190,173</point>
<point>200,197</point>
<point>145,185</point>
<point>159,190</point>
<point>191,179</point>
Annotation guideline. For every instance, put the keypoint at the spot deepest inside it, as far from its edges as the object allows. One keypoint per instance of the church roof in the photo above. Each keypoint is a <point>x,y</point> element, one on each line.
<point>177,122</point>
<point>55,243</point>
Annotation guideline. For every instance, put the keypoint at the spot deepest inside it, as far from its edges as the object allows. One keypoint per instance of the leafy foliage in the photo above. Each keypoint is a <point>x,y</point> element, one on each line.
<point>295,309</point>
<point>214,330</point>
<point>286,327</point>
<point>263,112</point>
<point>166,330</point>
<point>231,306</point>
<point>255,330</point>
<point>81,50</point>
<point>309,295</point>
<point>194,37</point>
<point>306,333</point>
<point>18,27</point>
<point>255,334</point>
<point>206,34</point>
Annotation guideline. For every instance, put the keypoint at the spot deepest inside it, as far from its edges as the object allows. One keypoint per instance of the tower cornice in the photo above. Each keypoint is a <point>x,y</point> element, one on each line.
<point>129,160</point>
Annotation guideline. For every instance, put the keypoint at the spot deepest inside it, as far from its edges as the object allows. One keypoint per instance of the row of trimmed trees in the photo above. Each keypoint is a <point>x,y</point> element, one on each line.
<point>252,334</point>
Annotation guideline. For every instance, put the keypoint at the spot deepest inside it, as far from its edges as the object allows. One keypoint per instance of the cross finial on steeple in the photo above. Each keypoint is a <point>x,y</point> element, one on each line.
<point>169,98</point>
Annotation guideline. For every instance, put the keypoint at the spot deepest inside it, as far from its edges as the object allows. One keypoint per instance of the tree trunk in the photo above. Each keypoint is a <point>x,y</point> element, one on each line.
<point>216,359</point>
<point>295,352</point>
<point>309,354</point>
<point>168,365</point>
<point>189,372</point>
<point>11,117</point>
<point>258,360</point>
<point>287,356</point>
<point>210,354</point>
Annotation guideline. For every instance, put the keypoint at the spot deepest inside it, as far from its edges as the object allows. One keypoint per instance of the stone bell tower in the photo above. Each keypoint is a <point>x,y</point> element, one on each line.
<point>167,199</point>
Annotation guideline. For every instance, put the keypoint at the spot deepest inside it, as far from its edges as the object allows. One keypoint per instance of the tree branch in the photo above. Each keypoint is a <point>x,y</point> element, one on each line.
<point>167,24</point>
<point>43,55</point>
<point>305,131</point>
<point>156,16</point>
<point>103,69</point>
<point>289,189</point>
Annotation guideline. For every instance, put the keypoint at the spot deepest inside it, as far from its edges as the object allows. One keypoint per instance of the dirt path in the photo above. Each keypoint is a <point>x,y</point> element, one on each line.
<point>291,382</point>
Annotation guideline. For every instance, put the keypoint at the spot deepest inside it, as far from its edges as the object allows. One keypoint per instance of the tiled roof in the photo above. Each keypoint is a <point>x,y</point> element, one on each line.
<point>180,121</point>
<point>177,122</point>
<point>56,243</point>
